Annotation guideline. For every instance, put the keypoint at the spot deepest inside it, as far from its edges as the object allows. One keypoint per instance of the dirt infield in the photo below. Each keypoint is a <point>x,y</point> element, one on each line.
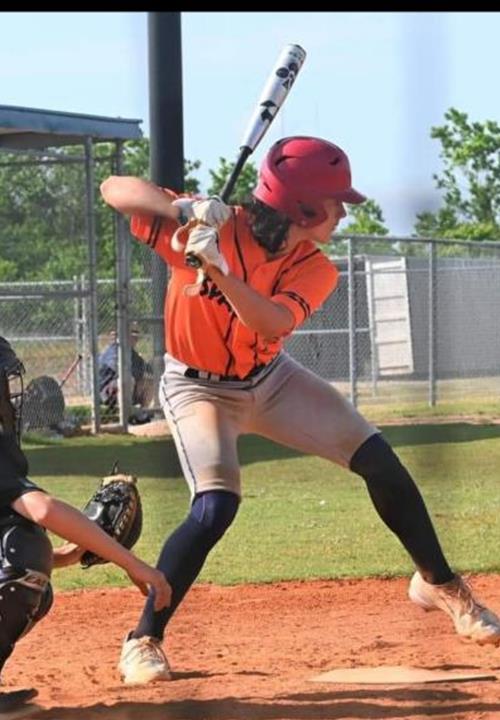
<point>248,652</point>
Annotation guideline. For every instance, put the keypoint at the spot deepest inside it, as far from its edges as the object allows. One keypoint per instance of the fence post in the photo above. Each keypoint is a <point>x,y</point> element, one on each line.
<point>369,273</point>
<point>122,306</point>
<point>91,240</point>
<point>77,329</point>
<point>85,347</point>
<point>352,322</point>
<point>432,324</point>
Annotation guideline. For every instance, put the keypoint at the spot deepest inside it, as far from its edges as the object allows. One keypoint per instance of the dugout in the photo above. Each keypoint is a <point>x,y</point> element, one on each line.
<point>31,138</point>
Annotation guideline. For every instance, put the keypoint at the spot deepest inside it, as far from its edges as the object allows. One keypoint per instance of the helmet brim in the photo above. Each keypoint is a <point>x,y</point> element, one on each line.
<point>352,197</point>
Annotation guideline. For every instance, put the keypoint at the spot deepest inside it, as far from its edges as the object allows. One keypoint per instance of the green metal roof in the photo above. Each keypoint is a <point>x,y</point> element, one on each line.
<point>24,128</point>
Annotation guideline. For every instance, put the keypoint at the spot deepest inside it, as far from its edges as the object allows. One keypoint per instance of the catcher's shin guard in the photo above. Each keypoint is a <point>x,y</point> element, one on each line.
<point>25,569</point>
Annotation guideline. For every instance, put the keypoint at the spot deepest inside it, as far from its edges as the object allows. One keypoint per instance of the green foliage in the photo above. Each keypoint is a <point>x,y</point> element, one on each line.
<point>364,219</point>
<point>136,162</point>
<point>41,219</point>
<point>191,183</point>
<point>244,185</point>
<point>470,181</point>
<point>43,212</point>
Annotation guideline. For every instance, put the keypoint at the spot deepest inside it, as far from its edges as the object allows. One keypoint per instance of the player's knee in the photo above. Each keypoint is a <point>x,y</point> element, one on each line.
<point>375,461</point>
<point>26,548</point>
<point>46,602</point>
<point>25,591</point>
<point>215,510</point>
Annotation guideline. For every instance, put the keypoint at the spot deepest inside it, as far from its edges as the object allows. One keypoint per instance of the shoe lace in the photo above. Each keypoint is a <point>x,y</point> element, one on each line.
<point>151,650</point>
<point>462,590</point>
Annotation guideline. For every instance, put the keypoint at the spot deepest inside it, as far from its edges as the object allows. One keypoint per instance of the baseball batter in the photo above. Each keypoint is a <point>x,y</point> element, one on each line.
<point>226,372</point>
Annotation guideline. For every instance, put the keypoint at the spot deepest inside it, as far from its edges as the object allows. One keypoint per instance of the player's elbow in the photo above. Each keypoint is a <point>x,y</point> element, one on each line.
<point>36,506</point>
<point>109,189</point>
<point>277,324</point>
<point>114,192</point>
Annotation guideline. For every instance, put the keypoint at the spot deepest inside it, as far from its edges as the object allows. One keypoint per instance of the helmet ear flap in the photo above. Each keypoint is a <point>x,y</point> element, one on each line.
<point>310,215</point>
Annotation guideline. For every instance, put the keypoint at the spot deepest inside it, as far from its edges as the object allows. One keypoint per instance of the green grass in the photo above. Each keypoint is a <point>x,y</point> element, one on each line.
<point>482,409</point>
<point>301,517</point>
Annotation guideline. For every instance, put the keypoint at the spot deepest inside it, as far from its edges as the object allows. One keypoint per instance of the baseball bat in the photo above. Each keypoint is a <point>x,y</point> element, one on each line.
<point>70,370</point>
<point>273,96</point>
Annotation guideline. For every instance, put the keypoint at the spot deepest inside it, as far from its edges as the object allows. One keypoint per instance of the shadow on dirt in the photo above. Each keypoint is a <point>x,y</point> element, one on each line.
<point>376,704</point>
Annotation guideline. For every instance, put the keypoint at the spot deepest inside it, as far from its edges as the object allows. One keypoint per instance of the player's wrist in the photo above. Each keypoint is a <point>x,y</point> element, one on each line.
<point>184,208</point>
<point>217,274</point>
<point>182,218</point>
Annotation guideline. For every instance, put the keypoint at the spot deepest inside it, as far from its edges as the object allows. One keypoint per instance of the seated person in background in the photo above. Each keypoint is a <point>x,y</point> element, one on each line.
<point>142,378</point>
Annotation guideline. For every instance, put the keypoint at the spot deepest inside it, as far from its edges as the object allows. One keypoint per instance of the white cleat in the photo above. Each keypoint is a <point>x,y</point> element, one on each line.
<point>471,619</point>
<point>143,661</point>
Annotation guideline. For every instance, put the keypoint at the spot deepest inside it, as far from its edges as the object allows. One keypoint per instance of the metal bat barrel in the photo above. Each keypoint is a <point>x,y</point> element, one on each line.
<point>275,91</point>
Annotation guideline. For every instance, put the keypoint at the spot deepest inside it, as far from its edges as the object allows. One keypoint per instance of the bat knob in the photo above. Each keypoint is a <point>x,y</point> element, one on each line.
<point>193,261</point>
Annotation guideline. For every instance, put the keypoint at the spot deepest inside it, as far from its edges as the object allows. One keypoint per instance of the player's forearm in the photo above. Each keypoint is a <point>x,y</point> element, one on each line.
<point>133,195</point>
<point>257,312</point>
<point>70,524</point>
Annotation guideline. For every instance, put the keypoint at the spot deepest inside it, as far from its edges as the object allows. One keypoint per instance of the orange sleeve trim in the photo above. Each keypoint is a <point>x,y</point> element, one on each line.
<point>285,296</point>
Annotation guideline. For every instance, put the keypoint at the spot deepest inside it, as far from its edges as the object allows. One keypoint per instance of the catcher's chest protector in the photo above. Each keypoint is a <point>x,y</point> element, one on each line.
<point>25,568</point>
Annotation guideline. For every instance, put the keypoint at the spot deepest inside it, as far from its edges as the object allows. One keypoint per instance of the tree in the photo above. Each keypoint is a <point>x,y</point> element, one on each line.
<point>470,181</point>
<point>365,219</point>
<point>136,162</point>
<point>244,185</point>
<point>42,211</point>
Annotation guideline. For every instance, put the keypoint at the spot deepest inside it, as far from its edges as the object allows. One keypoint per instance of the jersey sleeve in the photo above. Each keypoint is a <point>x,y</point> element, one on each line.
<point>156,232</point>
<point>304,287</point>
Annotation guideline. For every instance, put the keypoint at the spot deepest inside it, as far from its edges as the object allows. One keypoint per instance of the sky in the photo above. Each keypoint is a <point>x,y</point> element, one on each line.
<point>372,82</point>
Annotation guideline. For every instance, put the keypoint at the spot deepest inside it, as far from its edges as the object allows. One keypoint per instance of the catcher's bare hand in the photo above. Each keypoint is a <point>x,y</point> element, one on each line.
<point>67,554</point>
<point>146,577</point>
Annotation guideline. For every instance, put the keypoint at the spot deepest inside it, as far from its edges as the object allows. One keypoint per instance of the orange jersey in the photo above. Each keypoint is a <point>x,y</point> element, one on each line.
<point>203,331</point>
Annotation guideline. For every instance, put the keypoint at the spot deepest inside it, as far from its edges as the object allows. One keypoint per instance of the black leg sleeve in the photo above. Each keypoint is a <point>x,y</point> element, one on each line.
<point>401,507</point>
<point>184,554</point>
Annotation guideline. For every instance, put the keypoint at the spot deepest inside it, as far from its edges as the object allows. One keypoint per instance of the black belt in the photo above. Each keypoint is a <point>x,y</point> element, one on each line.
<point>203,375</point>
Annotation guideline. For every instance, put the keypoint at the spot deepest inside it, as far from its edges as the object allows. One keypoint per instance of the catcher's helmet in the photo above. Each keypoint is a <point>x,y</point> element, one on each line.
<point>299,173</point>
<point>11,374</point>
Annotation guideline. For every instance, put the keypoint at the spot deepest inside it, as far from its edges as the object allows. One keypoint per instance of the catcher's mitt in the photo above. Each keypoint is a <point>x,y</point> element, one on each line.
<point>116,507</point>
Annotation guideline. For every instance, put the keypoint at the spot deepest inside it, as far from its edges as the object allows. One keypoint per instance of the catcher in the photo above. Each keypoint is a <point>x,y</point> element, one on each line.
<point>109,525</point>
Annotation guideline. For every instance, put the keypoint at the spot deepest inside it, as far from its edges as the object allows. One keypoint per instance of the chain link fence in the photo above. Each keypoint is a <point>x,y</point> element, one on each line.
<point>412,321</point>
<point>419,325</point>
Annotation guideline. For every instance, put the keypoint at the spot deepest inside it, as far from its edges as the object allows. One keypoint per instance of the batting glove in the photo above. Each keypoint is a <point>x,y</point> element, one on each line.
<point>204,243</point>
<point>212,211</point>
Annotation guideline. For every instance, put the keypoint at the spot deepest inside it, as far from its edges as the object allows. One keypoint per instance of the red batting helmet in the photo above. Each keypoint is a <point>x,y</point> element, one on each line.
<point>299,173</point>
